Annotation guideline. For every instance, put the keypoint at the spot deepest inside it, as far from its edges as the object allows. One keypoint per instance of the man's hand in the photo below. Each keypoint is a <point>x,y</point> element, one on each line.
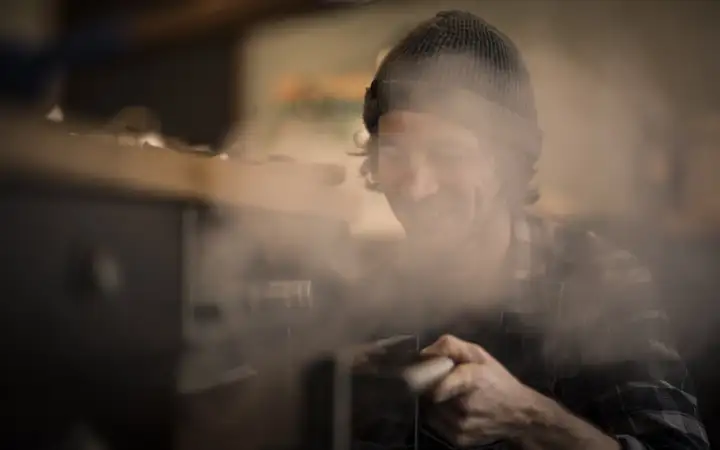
<point>479,401</point>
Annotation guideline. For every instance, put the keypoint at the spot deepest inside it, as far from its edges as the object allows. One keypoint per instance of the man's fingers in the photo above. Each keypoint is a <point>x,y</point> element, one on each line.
<point>458,429</point>
<point>456,349</point>
<point>460,381</point>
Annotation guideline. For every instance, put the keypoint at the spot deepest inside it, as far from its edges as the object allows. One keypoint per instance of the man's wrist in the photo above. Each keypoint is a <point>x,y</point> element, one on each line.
<point>547,424</point>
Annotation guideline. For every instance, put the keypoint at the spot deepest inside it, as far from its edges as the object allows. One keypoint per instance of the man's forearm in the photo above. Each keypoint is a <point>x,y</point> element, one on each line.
<point>553,427</point>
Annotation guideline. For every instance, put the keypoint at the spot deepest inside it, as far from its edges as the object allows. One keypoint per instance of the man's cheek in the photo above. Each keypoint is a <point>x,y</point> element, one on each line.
<point>461,201</point>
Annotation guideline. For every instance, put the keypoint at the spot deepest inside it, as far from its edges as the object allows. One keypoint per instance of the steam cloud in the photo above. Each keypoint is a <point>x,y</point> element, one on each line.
<point>594,116</point>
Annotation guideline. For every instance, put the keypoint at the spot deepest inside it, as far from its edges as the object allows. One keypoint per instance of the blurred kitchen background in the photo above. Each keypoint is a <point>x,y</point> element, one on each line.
<point>626,90</point>
<point>627,93</point>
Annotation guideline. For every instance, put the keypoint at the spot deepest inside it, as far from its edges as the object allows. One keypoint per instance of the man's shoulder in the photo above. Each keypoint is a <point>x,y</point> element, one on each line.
<point>608,300</point>
<point>576,250</point>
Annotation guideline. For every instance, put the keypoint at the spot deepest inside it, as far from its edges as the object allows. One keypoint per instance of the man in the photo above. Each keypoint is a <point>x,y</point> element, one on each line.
<point>574,357</point>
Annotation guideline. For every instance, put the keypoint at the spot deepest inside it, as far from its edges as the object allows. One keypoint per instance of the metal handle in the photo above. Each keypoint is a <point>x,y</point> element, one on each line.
<point>106,272</point>
<point>422,376</point>
<point>98,273</point>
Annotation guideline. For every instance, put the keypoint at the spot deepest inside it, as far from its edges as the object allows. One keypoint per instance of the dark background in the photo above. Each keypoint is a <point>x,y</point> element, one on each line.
<point>191,84</point>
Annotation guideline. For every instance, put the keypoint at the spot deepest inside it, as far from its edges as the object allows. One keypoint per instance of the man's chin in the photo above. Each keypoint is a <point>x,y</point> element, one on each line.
<point>435,248</point>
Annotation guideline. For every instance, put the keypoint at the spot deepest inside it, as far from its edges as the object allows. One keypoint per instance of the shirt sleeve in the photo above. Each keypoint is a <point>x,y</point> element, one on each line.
<point>638,391</point>
<point>652,409</point>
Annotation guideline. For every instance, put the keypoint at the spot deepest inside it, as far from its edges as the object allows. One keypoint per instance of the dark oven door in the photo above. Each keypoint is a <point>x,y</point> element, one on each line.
<point>90,319</point>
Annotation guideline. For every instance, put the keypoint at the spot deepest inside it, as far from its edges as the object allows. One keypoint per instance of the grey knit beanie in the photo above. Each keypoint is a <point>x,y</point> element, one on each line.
<point>460,66</point>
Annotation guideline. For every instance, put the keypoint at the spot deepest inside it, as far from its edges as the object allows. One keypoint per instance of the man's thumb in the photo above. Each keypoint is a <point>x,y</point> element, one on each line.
<point>459,351</point>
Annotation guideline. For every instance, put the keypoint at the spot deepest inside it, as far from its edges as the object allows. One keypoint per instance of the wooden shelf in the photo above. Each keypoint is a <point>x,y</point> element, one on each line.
<point>35,149</point>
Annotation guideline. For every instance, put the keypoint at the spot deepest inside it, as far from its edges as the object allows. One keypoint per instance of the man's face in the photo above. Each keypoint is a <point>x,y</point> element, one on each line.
<point>436,176</point>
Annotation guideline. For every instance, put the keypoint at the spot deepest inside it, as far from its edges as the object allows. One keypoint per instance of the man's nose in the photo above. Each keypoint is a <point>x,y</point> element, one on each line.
<point>422,182</point>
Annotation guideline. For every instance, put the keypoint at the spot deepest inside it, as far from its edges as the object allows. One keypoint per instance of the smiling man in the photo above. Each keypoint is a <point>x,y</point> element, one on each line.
<point>574,356</point>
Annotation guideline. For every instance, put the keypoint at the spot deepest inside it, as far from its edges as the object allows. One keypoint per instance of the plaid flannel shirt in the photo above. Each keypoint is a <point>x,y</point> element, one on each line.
<point>645,400</point>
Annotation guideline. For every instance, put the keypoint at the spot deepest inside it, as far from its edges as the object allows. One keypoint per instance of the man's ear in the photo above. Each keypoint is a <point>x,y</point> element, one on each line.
<point>367,147</point>
<point>368,170</point>
<point>361,139</point>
